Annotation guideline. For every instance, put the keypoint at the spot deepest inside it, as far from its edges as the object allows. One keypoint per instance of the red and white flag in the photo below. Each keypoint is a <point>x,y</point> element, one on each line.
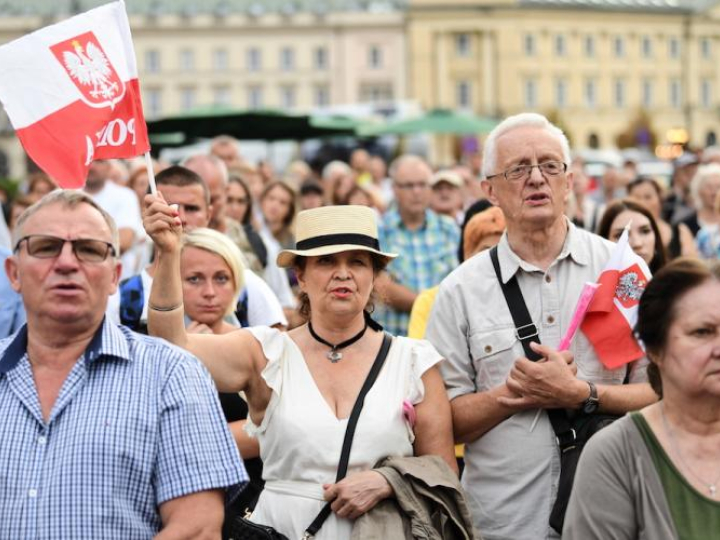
<point>612,313</point>
<point>71,92</point>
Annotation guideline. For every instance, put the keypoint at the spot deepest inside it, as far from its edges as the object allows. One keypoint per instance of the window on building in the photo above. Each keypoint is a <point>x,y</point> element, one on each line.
<point>675,93</point>
<point>322,96</point>
<point>619,46</point>
<point>531,98</point>
<point>222,96</point>
<point>254,59</point>
<point>255,97</point>
<point>619,93</point>
<point>529,45</point>
<point>320,56</point>
<point>560,45</point>
<point>152,61</point>
<point>153,102</point>
<point>589,46</point>
<point>647,93</point>
<point>287,59</point>
<point>590,93</point>
<point>705,48</point>
<point>646,48</point>
<point>673,48</point>
<point>188,97</point>
<point>376,92</point>
<point>463,45</point>
<point>220,59</point>
<point>288,97</point>
<point>187,60</point>
<point>464,94</point>
<point>706,93</point>
<point>375,59</point>
<point>560,93</point>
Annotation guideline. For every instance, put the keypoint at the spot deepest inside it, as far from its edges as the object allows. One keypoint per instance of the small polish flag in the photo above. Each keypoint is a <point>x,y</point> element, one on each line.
<point>72,94</point>
<point>612,313</point>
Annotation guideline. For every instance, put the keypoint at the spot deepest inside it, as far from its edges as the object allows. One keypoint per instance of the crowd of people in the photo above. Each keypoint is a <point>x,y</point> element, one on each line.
<point>289,288</point>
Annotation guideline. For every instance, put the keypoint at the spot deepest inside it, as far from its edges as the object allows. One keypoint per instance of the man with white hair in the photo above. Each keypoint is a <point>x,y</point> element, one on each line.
<point>512,460</point>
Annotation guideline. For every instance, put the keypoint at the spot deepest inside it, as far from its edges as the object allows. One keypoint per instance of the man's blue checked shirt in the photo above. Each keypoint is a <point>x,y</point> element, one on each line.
<point>136,423</point>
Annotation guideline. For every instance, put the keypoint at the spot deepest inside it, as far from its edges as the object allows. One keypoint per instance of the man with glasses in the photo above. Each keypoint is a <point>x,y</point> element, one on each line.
<point>512,461</point>
<point>106,434</point>
<point>427,244</point>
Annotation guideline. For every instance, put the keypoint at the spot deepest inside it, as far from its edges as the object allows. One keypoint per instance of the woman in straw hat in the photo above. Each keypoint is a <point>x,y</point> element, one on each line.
<point>301,385</point>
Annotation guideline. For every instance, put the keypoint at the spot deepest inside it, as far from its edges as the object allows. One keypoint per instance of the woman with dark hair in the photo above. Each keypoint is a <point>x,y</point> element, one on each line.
<point>301,385</point>
<point>240,208</point>
<point>677,238</point>
<point>656,473</point>
<point>644,235</point>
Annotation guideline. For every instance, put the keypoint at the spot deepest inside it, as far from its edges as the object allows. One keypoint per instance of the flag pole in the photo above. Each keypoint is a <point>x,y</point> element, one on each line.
<point>150,173</point>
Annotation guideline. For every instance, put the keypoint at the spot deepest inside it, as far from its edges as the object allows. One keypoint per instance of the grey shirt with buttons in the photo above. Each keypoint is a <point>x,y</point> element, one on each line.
<point>511,472</point>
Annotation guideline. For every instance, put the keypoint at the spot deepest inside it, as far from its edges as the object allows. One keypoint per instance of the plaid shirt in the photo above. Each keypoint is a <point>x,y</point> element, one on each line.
<point>427,255</point>
<point>136,423</point>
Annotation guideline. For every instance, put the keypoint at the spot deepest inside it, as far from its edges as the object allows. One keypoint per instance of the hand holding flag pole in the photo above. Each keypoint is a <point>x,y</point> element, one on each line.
<point>586,295</point>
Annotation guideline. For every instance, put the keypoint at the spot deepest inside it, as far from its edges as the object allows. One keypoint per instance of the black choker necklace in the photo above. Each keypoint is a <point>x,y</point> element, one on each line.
<point>334,354</point>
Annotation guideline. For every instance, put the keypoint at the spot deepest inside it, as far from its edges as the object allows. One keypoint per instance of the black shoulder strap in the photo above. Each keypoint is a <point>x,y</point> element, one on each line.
<point>525,329</point>
<point>350,431</point>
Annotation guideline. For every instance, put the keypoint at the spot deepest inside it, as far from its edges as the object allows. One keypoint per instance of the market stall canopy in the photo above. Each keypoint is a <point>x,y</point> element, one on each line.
<point>267,125</point>
<point>438,121</point>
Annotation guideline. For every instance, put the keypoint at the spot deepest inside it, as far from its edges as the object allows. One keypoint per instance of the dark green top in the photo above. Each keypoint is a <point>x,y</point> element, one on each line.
<point>696,516</point>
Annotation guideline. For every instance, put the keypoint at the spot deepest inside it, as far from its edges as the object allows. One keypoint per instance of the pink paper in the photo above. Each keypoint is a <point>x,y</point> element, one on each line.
<point>409,413</point>
<point>588,291</point>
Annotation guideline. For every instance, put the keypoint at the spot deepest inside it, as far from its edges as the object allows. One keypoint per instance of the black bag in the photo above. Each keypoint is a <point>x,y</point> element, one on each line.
<point>571,432</point>
<point>244,529</point>
<point>241,528</point>
<point>583,427</point>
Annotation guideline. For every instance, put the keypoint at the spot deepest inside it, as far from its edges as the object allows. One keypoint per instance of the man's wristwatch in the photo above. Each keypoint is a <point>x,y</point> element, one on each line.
<point>591,404</point>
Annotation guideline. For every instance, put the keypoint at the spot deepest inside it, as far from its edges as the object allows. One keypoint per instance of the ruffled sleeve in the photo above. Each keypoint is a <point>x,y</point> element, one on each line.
<point>423,356</point>
<point>274,344</point>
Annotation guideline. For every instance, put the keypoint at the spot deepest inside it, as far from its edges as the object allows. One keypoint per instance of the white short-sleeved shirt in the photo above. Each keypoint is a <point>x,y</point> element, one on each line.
<point>511,473</point>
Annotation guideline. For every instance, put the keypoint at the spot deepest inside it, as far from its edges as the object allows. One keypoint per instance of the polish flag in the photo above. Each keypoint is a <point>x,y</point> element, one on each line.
<point>612,313</point>
<point>71,92</point>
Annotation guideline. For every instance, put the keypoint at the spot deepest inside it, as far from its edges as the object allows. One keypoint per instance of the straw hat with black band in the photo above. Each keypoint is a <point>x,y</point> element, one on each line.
<point>334,229</point>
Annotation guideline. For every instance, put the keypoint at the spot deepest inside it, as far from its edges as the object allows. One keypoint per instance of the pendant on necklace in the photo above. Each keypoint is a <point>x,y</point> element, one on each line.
<point>334,356</point>
<point>713,490</point>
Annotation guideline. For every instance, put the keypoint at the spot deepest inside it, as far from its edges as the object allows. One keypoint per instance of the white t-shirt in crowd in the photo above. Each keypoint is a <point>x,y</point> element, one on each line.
<point>122,204</point>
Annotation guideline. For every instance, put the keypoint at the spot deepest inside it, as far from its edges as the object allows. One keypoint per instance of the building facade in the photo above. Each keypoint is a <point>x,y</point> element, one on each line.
<point>594,65</point>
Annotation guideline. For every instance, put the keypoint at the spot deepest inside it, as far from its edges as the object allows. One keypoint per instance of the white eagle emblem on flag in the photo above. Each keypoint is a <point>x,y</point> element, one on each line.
<point>89,68</point>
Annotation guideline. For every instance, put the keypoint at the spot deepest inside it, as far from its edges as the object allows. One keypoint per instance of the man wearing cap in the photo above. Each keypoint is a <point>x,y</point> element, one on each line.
<point>446,197</point>
<point>678,204</point>
<point>427,244</point>
<point>498,396</point>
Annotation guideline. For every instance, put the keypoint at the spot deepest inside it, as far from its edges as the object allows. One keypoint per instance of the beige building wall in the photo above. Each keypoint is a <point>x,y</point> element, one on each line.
<point>593,68</point>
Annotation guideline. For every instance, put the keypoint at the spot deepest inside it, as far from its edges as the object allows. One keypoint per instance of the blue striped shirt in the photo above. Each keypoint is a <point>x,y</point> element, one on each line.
<point>427,255</point>
<point>136,423</point>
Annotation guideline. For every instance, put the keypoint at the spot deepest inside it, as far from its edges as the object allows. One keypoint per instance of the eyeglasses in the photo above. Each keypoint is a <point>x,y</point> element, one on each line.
<point>523,172</point>
<point>409,186</point>
<point>49,247</point>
